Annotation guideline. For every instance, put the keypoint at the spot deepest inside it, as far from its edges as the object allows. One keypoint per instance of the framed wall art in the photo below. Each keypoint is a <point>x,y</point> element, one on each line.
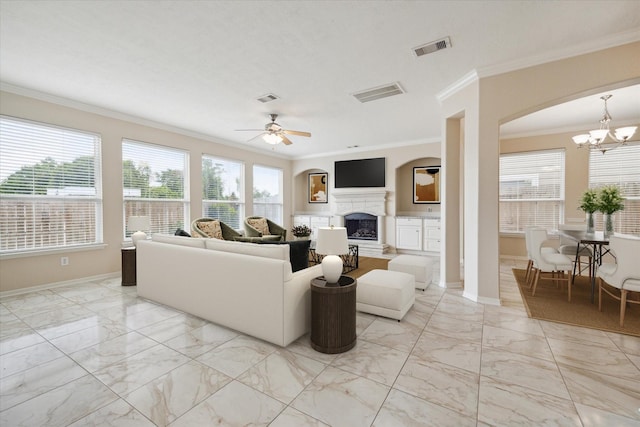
<point>318,187</point>
<point>426,184</point>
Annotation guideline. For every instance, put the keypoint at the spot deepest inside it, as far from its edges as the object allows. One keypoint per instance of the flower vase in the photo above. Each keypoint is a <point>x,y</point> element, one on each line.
<point>607,221</point>
<point>302,237</point>
<point>591,228</point>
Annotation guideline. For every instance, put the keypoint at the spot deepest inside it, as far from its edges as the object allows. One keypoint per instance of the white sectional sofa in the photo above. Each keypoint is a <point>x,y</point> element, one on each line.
<point>243,286</point>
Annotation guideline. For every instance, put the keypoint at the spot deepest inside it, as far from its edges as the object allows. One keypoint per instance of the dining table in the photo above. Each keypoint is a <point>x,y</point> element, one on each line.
<point>597,242</point>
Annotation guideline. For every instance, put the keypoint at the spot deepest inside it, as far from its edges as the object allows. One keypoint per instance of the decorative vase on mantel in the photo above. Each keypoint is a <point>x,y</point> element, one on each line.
<point>591,227</point>
<point>607,223</point>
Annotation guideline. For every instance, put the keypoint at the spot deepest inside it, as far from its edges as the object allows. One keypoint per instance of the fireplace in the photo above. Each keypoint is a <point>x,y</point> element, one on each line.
<point>361,226</point>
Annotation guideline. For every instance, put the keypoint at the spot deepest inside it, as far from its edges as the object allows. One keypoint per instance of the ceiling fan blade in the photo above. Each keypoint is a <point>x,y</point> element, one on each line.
<point>296,132</point>
<point>249,130</point>
<point>285,140</point>
<point>257,136</point>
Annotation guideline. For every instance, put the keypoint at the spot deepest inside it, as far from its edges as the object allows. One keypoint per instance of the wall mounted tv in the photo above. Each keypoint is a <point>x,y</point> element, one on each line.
<point>360,173</point>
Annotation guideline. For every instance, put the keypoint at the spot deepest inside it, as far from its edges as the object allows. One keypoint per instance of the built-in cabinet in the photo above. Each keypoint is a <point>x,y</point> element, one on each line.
<point>418,234</point>
<point>313,222</point>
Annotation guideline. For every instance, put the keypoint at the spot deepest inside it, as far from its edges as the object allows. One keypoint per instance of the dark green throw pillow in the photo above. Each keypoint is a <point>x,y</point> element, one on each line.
<point>298,253</point>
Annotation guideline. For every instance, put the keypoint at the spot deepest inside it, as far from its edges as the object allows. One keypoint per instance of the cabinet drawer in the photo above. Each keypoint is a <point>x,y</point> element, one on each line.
<point>409,221</point>
<point>432,245</point>
<point>432,223</point>
<point>431,233</point>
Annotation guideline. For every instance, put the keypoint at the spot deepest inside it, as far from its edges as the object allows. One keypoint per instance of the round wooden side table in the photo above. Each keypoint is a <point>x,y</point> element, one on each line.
<point>333,315</point>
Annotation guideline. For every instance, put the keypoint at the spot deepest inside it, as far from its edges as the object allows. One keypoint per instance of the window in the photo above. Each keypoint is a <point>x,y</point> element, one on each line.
<point>531,190</point>
<point>155,185</point>
<point>267,193</point>
<point>620,167</point>
<point>50,187</point>
<point>222,190</point>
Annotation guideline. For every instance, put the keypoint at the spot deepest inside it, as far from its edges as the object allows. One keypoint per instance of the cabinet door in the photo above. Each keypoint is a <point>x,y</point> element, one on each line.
<point>409,237</point>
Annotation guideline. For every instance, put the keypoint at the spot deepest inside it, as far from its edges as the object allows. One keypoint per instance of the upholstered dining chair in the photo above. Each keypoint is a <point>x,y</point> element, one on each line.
<point>619,278</point>
<point>569,247</point>
<point>202,228</point>
<point>527,241</point>
<point>549,262</point>
<point>258,226</point>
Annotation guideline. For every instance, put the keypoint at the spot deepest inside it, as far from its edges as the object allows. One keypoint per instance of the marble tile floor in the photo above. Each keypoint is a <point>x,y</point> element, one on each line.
<point>96,354</point>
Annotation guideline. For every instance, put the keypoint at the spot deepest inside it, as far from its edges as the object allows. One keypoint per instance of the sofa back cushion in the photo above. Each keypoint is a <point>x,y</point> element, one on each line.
<point>298,252</point>
<point>272,251</point>
<point>178,240</point>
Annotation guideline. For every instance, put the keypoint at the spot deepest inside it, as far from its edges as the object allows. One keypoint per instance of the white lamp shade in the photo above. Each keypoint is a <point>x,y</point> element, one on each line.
<point>598,135</point>
<point>332,241</point>
<point>138,223</point>
<point>626,132</point>
<point>581,139</point>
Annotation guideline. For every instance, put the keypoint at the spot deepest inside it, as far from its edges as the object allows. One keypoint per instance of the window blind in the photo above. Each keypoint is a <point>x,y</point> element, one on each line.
<point>155,184</point>
<point>619,167</point>
<point>267,193</point>
<point>222,190</point>
<point>531,190</point>
<point>50,187</point>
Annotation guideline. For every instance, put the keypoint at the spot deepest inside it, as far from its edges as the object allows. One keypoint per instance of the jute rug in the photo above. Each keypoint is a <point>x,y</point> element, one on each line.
<point>366,264</point>
<point>550,303</point>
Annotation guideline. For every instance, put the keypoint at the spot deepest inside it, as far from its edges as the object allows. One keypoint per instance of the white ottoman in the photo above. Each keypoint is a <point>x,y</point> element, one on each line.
<point>421,267</point>
<point>385,293</point>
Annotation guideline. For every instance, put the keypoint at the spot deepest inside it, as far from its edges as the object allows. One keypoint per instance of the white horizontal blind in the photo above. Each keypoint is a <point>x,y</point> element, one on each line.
<point>619,167</point>
<point>267,193</point>
<point>50,187</point>
<point>155,184</point>
<point>222,190</point>
<point>531,190</point>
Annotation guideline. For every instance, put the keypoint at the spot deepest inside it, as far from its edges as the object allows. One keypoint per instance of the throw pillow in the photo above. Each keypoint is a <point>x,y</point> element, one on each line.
<point>181,232</point>
<point>298,253</point>
<point>259,224</point>
<point>211,229</point>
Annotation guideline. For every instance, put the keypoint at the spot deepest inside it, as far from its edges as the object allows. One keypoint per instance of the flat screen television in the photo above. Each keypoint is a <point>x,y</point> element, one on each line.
<point>360,173</point>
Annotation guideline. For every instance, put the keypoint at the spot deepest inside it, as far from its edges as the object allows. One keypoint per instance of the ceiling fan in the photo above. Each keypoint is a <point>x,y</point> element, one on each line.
<point>273,133</point>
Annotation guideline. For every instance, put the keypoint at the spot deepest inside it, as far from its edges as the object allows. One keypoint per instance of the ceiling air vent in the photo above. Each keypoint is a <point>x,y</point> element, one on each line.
<point>378,92</point>
<point>432,47</point>
<point>267,98</point>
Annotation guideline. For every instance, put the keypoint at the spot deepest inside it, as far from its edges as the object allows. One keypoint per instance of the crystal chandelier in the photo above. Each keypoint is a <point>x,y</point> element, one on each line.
<point>597,138</point>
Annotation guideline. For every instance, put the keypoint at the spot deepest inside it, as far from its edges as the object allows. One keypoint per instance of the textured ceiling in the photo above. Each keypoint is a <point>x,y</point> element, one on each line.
<point>200,65</point>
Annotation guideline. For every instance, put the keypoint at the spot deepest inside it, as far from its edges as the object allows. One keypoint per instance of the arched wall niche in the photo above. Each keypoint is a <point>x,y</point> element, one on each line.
<point>404,188</point>
<point>301,196</point>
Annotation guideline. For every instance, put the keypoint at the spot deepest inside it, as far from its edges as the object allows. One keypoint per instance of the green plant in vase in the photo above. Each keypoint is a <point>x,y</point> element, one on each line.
<point>610,201</point>
<point>589,204</point>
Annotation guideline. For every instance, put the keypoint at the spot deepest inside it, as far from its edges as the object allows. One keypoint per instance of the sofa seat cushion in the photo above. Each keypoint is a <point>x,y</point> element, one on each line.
<point>298,252</point>
<point>255,239</point>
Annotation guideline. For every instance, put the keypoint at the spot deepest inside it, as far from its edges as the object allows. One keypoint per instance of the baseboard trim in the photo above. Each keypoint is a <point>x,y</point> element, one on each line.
<point>58,284</point>
<point>481,300</point>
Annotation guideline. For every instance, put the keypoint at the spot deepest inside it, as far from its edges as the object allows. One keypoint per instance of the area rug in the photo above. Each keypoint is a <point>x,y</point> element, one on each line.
<point>366,264</point>
<point>550,303</point>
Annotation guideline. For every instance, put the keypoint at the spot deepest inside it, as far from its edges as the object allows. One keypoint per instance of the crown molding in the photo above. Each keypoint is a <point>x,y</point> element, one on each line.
<point>469,78</point>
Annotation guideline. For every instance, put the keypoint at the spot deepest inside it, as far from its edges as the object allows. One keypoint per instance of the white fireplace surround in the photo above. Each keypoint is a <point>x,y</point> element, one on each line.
<point>366,200</point>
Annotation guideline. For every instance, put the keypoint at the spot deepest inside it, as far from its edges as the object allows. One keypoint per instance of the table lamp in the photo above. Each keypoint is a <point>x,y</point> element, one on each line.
<point>138,223</point>
<point>332,241</point>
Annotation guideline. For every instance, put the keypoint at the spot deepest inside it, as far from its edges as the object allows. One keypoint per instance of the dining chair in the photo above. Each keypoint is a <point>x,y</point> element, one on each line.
<point>619,278</point>
<point>569,247</point>
<point>549,262</point>
<point>527,241</point>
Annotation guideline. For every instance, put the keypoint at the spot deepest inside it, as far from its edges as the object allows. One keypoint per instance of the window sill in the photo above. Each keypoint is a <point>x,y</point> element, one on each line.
<point>44,252</point>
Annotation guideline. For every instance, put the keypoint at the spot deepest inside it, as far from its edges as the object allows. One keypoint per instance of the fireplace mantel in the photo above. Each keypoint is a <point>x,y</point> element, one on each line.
<point>368,200</point>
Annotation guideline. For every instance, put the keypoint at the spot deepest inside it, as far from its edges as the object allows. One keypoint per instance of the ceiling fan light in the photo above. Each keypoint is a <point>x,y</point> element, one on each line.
<point>272,138</point>
<point>625,133</point>
<point>598,135</point>
<point>581,139</point>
